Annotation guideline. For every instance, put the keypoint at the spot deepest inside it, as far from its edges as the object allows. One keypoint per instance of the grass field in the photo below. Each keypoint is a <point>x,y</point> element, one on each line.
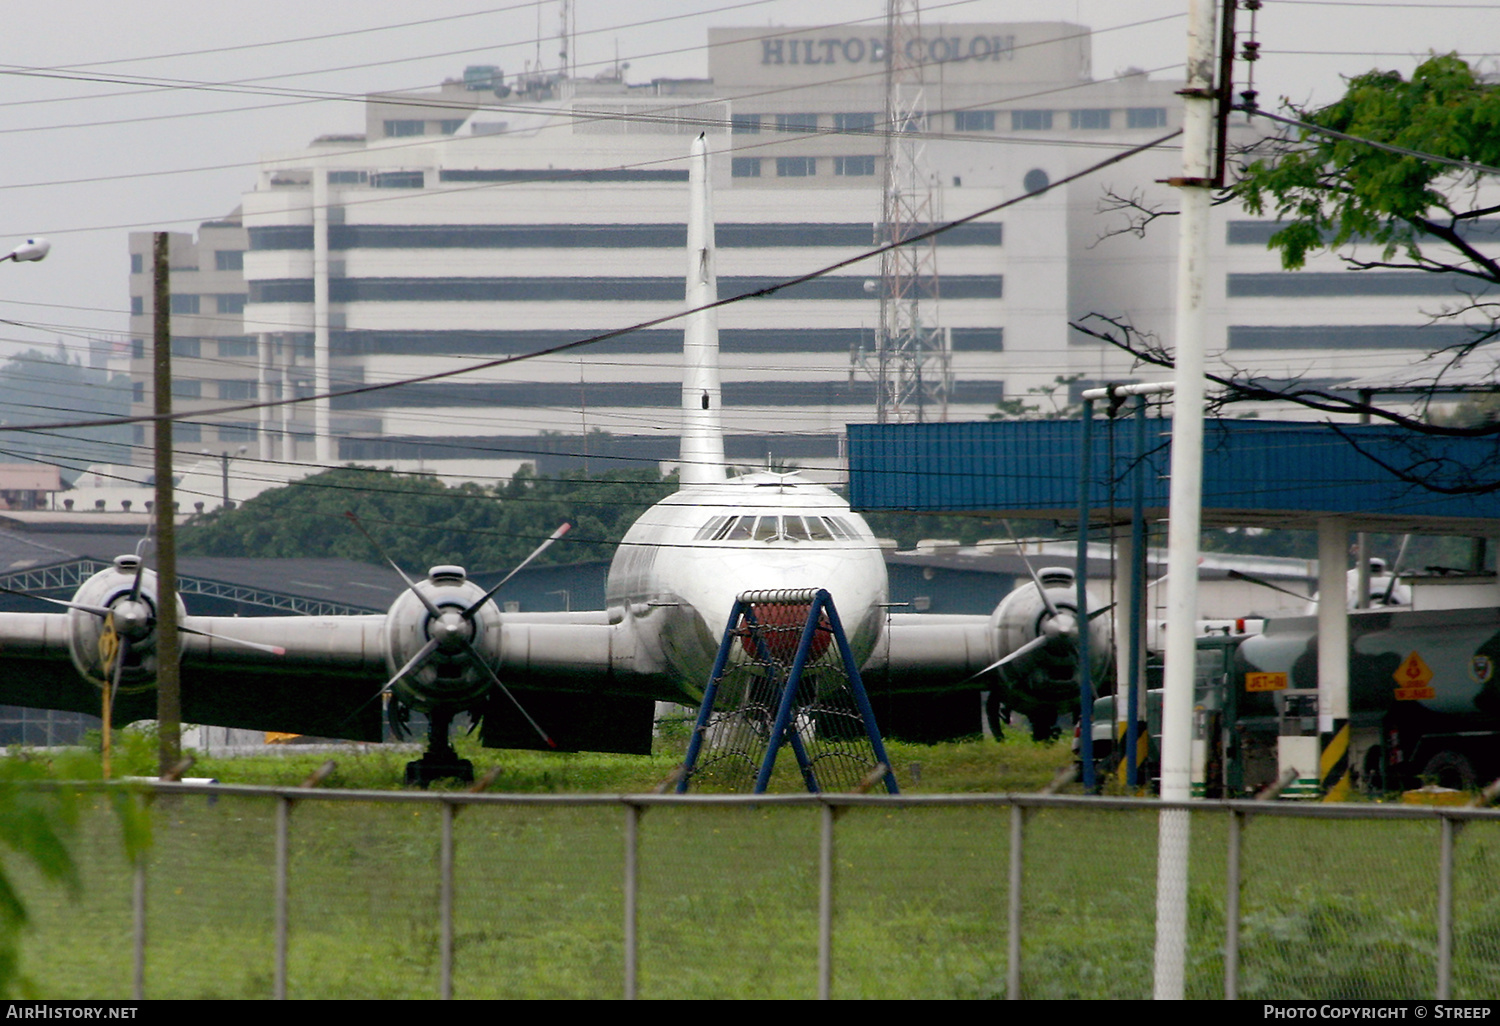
<point>728,896</point>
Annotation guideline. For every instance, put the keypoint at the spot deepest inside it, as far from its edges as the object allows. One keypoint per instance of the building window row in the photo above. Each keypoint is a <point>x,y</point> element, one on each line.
<point>854,166</point>
<point>804,123</point>
<point>237,389</point>
<point>397,180</point>
<point>237,348</point>
<point>802,167</point>
<point>1087,119</point>
<point>860,122</point>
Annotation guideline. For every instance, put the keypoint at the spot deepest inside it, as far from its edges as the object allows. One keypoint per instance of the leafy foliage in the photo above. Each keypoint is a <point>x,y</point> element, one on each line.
<point>1033,409</point>
<point>1419,212</point>
<point>37,820</point>
<point>421,521</point>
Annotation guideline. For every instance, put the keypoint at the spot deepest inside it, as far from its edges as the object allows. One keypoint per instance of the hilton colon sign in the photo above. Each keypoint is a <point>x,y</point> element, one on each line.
<point>854,50</point>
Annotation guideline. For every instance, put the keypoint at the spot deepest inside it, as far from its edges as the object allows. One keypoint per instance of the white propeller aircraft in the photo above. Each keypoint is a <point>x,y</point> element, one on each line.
<point>579,680</point>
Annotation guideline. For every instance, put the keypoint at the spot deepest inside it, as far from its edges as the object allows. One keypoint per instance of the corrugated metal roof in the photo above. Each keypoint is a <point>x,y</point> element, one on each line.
<point>1255,473</point>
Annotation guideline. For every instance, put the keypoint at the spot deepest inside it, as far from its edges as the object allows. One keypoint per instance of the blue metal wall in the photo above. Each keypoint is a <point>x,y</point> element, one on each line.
<point>1253,469</point>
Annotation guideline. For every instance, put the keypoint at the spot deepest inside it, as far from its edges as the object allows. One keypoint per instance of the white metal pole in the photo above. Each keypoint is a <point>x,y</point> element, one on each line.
<point>1332,772</point>
<point>1186,502</point>
<point>323,453</point>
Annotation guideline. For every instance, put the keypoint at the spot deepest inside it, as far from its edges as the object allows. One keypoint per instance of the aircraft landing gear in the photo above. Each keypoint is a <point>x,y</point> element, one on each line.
<point>440,761</point>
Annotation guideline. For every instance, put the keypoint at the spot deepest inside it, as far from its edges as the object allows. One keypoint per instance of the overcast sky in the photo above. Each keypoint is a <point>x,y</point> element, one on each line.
<point>85,162</point>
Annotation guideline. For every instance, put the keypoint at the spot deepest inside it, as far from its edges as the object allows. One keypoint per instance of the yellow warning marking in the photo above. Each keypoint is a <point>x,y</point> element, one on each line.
<point>109,644</point>
<point>1412,679</point>
<point>1334,760</point>
<point>1338,748</point>
<point>1265,682</point>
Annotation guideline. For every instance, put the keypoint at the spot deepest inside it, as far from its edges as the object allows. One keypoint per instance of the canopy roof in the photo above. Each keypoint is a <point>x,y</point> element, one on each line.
<point>1255,473</point>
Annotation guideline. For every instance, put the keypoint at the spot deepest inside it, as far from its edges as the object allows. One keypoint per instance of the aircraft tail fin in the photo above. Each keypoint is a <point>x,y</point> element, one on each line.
<point>702,453</point>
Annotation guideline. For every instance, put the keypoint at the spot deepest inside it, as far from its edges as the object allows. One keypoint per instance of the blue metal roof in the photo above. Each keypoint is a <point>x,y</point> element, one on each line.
<point>1255,472</point>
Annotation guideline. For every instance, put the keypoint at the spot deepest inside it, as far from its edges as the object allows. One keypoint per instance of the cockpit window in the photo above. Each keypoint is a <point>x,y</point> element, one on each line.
<point>711,528</point>
<point>767,528</point>
<point>774,528</point>
<point>841,528</point>
<point>737,529</point>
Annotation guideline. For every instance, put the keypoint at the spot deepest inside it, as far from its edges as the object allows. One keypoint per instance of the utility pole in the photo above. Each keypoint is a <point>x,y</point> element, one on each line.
<point>168,678</point>
<point>1185,512</point>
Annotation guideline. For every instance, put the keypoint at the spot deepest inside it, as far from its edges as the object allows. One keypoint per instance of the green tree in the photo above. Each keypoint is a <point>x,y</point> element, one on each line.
<point>420,521</point>
<point>1395,175</point>
<point>1421,214</point>
<point>1046,405</point>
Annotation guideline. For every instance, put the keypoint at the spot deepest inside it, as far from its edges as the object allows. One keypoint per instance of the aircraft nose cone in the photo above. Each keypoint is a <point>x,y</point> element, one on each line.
<point>132,618</point>
<point>1063,625</point>
<point>450,631</point>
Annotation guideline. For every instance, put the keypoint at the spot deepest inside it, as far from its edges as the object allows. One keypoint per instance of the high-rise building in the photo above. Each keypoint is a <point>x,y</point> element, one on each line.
<point>496,217</point>
<point>500,219</point>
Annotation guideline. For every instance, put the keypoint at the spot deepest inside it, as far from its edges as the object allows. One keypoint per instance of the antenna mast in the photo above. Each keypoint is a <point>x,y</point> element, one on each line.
<point>912,365</point>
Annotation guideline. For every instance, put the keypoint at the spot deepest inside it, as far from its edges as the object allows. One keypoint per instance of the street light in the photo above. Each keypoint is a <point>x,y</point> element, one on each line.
<point>242,450</point>
<point>29,251</point>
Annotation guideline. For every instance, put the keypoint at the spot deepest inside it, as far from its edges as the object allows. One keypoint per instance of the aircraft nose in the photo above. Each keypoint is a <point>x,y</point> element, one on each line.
<point>450,630</point>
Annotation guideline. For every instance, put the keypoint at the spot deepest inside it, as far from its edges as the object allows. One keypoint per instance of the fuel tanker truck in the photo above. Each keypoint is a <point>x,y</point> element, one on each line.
<point>1424,703</point>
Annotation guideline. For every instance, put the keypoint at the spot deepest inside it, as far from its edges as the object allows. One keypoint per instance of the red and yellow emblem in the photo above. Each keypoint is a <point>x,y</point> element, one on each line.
<point>1413,680</point>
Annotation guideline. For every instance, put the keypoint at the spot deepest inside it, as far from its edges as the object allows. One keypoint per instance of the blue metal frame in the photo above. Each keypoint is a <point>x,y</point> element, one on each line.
<point>1137,594</point>
<point>1080,581</point>
<point>783,731</point>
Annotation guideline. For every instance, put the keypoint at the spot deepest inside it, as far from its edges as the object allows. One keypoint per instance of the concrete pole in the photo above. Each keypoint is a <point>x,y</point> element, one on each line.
<point>1333,658</point>
<point>168,680</point>
<point>266,415</point>
<point>1185,512</point>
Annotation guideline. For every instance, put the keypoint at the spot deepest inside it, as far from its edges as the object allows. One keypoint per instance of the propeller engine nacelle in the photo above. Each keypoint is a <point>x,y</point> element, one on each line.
<point>1046,674</point>
<point>434,650</point>
<point>113,617</point>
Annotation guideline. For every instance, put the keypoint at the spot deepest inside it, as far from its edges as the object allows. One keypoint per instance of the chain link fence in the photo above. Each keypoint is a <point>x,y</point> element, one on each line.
<point>260,892</point>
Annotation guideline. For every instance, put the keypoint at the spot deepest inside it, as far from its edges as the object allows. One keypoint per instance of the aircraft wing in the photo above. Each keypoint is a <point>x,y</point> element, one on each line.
<point>928,652</point>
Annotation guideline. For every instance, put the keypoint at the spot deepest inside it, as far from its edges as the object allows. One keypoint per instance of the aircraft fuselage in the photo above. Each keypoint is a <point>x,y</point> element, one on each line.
<point>682,565</point>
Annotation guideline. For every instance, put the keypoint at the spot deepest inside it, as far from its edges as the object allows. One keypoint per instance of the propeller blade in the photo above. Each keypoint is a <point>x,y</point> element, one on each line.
<point>273,649</point>
<point>562,529</point>
<point>122,651</point>
<point>1051,609</point>
<point>425,651</point>
<point>1242,576</point>
<point>140,566</point>
<point>1390,589</point>
<point>100,611</point>
<point>411,664</point>
<point>513,700</point>
<point>431,609</point>
<point>1030,646</point>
